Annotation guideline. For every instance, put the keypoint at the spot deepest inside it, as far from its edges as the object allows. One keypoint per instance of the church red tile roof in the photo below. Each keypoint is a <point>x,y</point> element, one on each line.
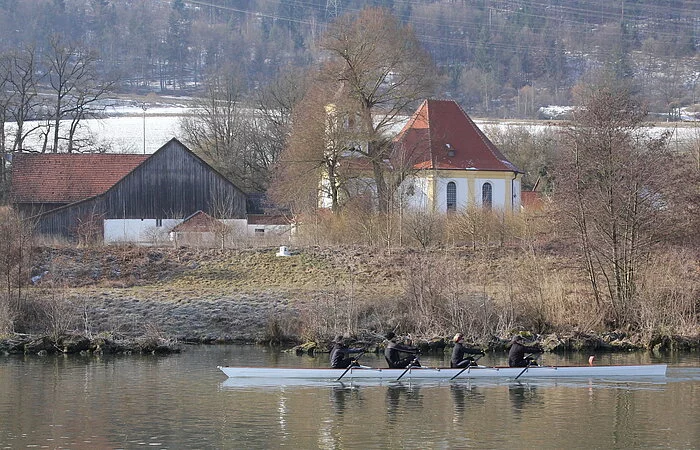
<point>67,178</point>
<point>440,135</point>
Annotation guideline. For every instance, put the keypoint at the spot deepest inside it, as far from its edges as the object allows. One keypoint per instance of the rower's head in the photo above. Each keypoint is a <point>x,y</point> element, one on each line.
<point>339,340</point>
<point>517,338</point>
<point>458,337</point>
<point>390,336</point>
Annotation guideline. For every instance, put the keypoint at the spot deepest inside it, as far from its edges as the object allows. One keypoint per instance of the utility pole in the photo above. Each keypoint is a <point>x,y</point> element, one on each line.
<point>332,8</point>
<point>144,107</point>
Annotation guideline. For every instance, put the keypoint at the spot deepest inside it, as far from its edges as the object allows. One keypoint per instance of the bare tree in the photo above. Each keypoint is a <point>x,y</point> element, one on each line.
<point>25,105</point>
<point>215,131</point>
<point>15,255</point>
<point>615,189</point>
<point>382,71</point>
<point>88,228</point>
<point>687,201</point>
<point>241,140</point>
<point>18,100</point>
<point>532,152</point>
<point>5,97</point>
<point>311,165</point>
<point>85,106</point>
<point>426,227</point>
<point>75,85</point>
<point>269,132</point>
<point>223,207</point>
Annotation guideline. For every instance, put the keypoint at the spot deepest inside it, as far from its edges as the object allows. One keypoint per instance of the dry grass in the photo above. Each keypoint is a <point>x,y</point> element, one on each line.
<point>253,295</point>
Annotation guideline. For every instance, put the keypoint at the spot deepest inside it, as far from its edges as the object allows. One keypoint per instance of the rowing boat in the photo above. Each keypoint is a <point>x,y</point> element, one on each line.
<point>433,373</point>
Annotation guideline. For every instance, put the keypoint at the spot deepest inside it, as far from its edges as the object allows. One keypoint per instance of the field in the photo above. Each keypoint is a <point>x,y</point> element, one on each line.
<point>128,128</point>
<point>203,295</point>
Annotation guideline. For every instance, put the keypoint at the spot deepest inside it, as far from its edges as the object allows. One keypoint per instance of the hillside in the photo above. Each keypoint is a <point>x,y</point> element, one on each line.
<point>498,58</point>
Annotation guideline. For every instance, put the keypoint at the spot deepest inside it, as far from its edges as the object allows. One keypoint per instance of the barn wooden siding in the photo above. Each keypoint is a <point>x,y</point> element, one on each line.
<point>65,221</point>
<point>172,184</point>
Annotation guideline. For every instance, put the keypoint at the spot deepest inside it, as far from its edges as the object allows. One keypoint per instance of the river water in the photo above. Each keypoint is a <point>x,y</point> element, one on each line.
<point>184,401</point>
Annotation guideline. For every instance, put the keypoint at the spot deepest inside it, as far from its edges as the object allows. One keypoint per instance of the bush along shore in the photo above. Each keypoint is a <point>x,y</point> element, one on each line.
<point>76,343</point>
<point>610,342</point>
<point>107,344</point>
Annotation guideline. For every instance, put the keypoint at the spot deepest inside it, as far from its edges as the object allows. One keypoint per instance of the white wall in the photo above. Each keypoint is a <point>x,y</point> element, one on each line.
<point>516,195</point>
<point>270,230</point>
<point>324,200</point>
<point>239,226</point>
<point>462,194</point>
<point>142,231</point>
<point>146,232</point>
<point>498,192</point>
<point>415,192</point>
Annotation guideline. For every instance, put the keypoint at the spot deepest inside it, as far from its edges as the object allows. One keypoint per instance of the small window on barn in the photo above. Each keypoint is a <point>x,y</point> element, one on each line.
<point>159,222</point>
<point>259,231</point>
<point>486,195</point>
<point>451,196</point>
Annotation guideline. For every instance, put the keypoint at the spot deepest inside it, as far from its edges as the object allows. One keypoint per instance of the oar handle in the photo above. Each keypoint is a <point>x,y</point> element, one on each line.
<point>360,355</point>
<point>465,368</point>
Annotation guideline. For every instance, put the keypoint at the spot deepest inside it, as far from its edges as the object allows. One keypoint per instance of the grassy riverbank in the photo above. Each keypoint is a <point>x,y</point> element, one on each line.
<point>246,296</point>
<point>198,295</point>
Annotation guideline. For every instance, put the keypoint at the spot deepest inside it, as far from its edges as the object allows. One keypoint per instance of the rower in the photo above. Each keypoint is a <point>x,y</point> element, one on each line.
<point>394,352</point>
<point>340,354</point>
<point>516,355</point>
<point>458,360</point>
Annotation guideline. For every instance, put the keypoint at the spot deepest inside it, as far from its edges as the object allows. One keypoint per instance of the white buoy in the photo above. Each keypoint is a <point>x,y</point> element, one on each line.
<point>283,251</point>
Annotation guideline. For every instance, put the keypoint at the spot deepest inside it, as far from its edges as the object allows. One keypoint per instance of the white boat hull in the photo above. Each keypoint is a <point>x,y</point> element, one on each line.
<point>427,373</point>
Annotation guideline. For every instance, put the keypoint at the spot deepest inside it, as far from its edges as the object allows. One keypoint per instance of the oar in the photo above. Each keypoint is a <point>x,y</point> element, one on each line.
<point>526,367</point>
<point>349,367</point>
<point>408,368</point>
<point>465,368</point>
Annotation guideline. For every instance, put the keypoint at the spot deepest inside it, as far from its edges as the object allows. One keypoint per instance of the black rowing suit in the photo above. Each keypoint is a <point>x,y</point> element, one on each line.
<point>458,360</point>
<point>516,355</point>
<point>393,351</point>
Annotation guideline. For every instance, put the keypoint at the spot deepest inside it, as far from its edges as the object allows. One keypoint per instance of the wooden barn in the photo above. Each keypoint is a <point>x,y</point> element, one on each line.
<point>120,197</point>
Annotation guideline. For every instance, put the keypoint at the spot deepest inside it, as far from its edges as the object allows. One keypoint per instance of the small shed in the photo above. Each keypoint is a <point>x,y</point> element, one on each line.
<point>202,230</point>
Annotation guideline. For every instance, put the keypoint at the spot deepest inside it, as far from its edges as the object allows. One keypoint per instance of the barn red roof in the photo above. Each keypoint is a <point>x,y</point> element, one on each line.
<point>269,219</point>
<point>199,221</point>
<point>440,135</point>
<point>532,200</point>
<point>67,178</point>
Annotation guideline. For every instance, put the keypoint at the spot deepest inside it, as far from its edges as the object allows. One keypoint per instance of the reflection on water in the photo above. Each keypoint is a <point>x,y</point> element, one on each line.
<point>402,396</point>
<point>342,393</point>
<point>522,396</point>
<point>184,401</point>
<point>465,395</point>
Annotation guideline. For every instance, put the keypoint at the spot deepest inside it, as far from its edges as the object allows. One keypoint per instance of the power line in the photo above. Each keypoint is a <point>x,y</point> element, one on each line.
<point>455,26</point>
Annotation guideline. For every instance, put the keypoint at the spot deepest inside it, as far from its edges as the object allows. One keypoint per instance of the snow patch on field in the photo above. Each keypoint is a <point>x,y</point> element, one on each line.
<point>131,129</point>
